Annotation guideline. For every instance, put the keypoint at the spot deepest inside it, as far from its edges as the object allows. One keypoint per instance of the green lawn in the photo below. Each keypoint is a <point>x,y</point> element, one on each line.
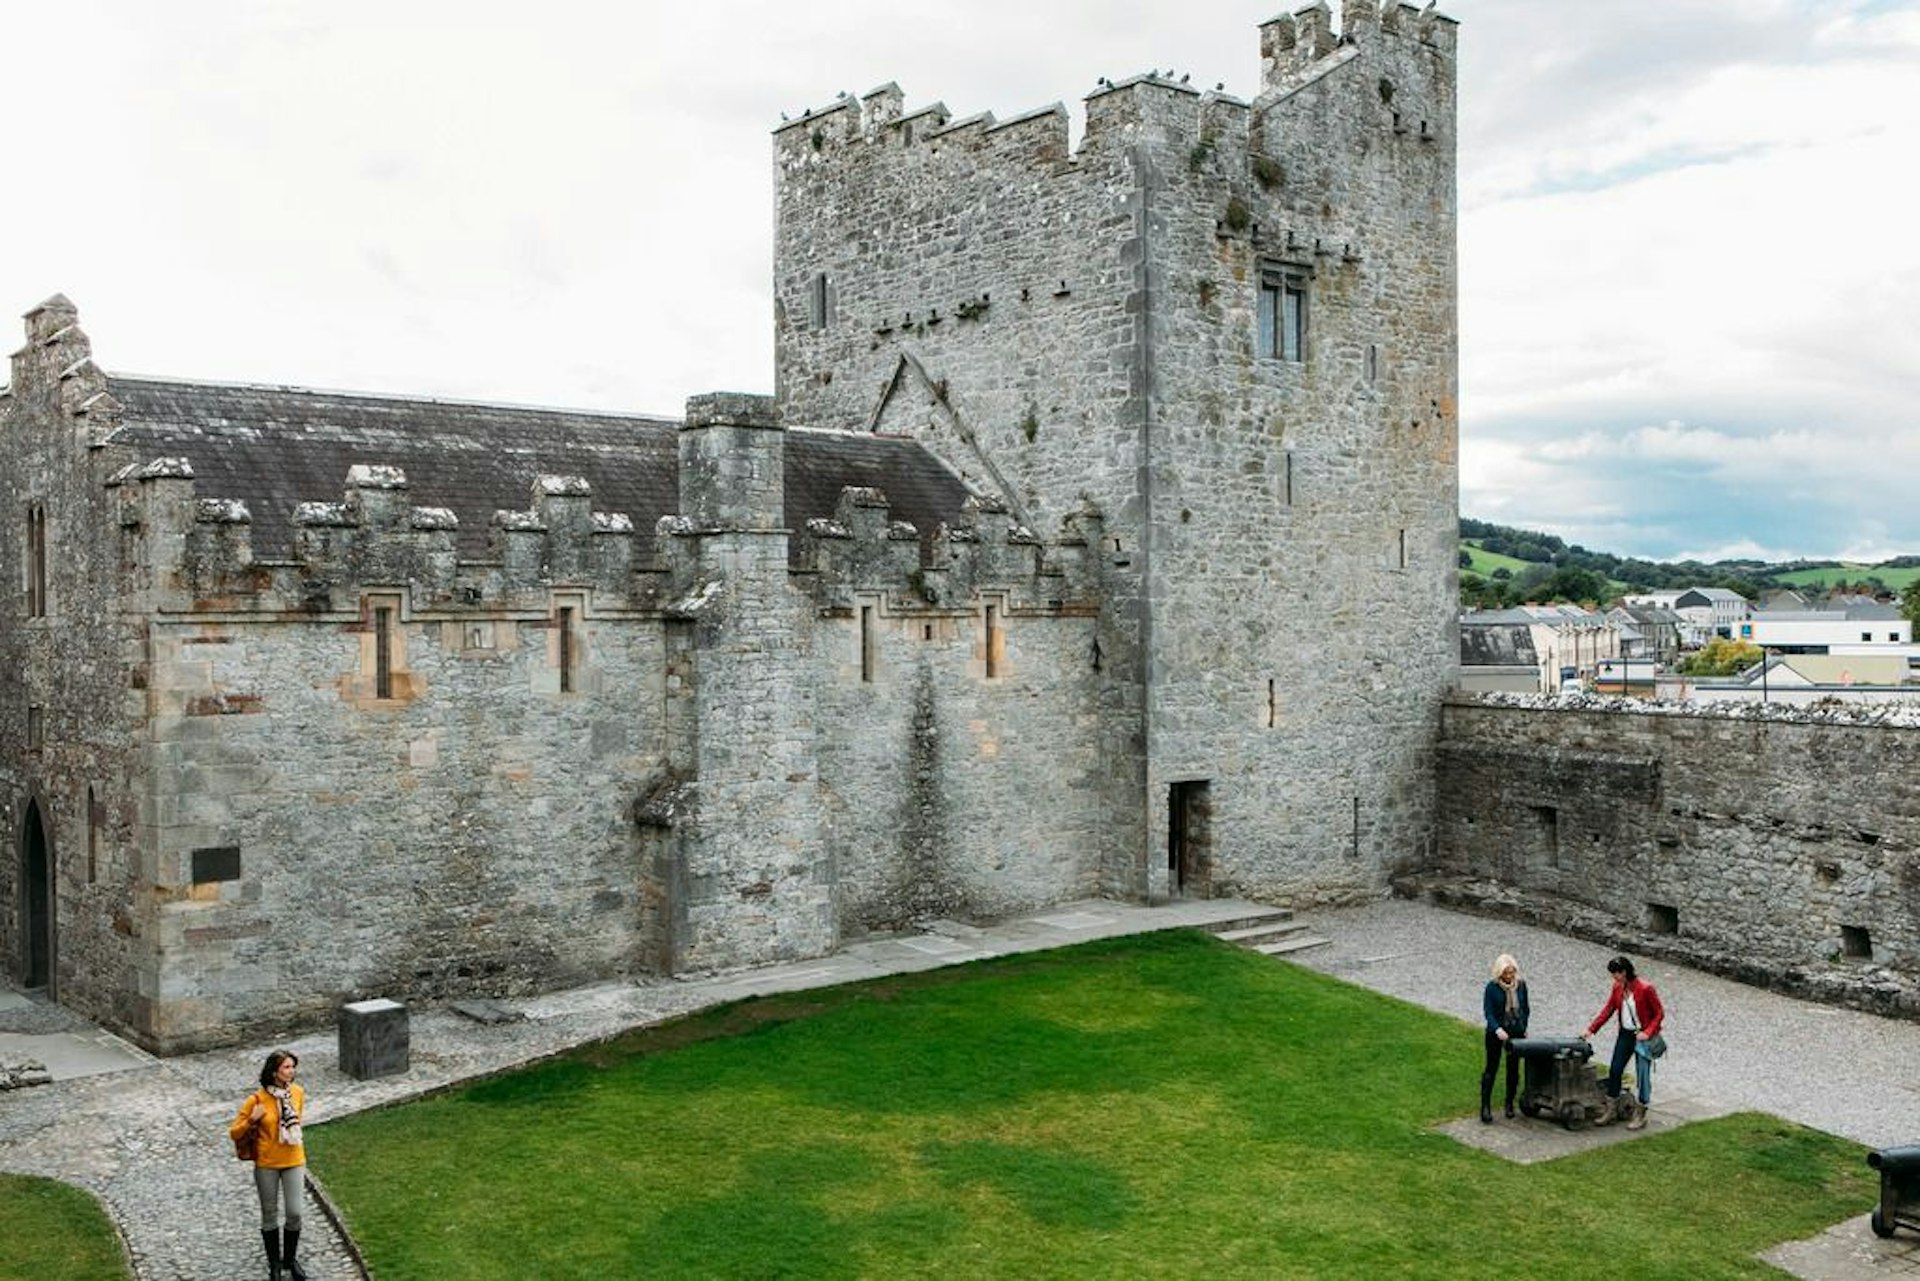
<point>1164,1106</point>
<point>1895,579</point>
<point>50,1231</point>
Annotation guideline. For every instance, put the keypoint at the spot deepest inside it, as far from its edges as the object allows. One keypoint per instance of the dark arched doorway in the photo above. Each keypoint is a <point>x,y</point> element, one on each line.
<point>36,900</point>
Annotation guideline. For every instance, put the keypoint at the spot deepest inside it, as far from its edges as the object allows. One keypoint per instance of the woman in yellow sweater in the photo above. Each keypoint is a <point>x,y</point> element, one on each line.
<point>273,1113</point>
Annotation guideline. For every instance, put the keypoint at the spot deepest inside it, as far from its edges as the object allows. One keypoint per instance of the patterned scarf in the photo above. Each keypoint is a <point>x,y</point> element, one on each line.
<point>1512,989</point>
<point>289,1119</point>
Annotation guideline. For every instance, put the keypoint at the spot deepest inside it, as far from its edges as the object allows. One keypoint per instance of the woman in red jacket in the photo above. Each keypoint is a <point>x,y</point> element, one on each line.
<point>1637,1013</point>
<point>273,1112</point>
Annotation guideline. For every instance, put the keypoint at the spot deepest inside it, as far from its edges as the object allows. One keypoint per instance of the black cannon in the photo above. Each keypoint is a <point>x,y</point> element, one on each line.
<point>1899,1189</point>
<point>1558,1083</point>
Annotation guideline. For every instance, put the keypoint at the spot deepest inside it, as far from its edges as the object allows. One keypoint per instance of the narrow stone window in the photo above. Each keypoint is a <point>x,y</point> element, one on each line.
<point>1273,704</point>
<point>993,642</point>
<point>1373,362</point>
<point>1663,918</point>
<point>1286,477</point>
<point>866,643</point>
<point>1354,850</point>
<point>36,561</point>
<point>820,301</point>
<point>926,631</point>
<point>1400,549</point>
<point>1283,312</point>
<point>36,729</point>
<point>1855,944</point>
<point>383,651</point>
<point>93,836</point>
<point>1548,819</point>
<point>563,625</point>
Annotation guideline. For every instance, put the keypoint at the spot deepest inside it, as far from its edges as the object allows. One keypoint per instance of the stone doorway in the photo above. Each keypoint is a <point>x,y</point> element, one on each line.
<point>36,902</point>
<point>1189,839</point>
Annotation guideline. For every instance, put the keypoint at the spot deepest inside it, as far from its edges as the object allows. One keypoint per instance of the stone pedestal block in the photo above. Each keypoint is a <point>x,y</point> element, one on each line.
<point>374,1039</point>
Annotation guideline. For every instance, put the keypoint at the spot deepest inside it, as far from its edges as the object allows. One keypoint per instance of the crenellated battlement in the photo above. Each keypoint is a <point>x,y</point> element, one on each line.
<point>1297,47</point>
<point>1294,49</point>
<point>862,551</point>
<point>189,548</point>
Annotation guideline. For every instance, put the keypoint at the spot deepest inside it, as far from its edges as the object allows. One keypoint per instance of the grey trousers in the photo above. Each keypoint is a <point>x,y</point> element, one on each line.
<point>281,1187</point>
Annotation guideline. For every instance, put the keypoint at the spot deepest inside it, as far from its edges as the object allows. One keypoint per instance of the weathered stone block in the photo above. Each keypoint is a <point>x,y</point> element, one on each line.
<point>375,1039</point>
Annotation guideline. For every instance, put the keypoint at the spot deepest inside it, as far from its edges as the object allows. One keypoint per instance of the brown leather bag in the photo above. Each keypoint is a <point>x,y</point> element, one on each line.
<point>247,1146</point>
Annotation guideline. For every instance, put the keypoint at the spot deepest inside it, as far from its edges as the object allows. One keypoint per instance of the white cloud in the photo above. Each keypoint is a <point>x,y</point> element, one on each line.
<point>1695,212</point>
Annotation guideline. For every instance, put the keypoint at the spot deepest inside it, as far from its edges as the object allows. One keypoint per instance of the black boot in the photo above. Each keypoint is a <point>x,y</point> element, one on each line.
<point>1486,1100</point>
<point>288,1241</point>
<point>1509,1109</point>
<point>270,1237</point>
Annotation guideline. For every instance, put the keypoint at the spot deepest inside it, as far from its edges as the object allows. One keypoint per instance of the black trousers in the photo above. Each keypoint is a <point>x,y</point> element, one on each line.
<point>1495,1049</point>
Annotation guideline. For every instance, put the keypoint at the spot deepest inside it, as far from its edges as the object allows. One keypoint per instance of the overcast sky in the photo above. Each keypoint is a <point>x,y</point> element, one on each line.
<point>1690,251</point>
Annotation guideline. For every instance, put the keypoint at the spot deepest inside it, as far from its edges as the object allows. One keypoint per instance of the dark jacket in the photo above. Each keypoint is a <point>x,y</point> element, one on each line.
<point>1494,1006</point>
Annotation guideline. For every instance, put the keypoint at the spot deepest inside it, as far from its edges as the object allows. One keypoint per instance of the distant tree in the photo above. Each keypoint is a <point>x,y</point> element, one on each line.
<point>1501,572</point>
<point>1721,657</point>
<point>1478,593</point>
<point>1910,603</point>
<point>1466,559</point>
<point>1526,584</point>
<point>1577,585</point>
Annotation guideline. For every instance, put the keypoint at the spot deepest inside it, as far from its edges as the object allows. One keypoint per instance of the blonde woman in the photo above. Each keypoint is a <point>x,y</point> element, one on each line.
<point>1504,1006</point>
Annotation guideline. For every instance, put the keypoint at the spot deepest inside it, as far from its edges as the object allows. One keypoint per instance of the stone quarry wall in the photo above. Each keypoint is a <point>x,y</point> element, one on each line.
<point>1782,848</point>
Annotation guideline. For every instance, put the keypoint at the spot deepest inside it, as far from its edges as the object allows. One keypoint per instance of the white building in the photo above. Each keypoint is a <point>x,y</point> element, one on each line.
<point>1855,629</point>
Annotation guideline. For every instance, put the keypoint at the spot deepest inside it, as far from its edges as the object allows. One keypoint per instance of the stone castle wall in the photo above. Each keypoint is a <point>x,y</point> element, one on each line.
<point>1781,848</point>
<point>1315,499</point>
<point>69,756</point>
<point>595,753</point>
<point>1078,325</point>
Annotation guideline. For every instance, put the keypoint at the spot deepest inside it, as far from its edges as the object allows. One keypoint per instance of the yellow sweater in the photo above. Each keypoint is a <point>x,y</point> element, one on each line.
<point>272,1153</point>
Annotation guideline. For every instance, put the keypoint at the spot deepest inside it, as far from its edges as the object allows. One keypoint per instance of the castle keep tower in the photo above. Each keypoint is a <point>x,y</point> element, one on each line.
<point>1230,328</point>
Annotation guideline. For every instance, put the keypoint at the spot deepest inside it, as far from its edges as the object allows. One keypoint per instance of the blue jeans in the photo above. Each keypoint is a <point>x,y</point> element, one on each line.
<point>1626,1046</point>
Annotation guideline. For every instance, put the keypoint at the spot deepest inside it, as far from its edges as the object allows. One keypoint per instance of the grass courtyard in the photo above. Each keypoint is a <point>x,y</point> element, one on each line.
<point>1158,1106</point>
<point>50,1231</point>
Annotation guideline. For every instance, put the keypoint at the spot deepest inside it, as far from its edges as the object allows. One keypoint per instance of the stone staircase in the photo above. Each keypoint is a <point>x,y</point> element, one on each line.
<point>1272,931</point>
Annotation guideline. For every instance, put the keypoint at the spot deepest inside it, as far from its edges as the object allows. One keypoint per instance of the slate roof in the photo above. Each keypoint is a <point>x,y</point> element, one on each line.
<point>1501,644</point>
<point>277,447</point>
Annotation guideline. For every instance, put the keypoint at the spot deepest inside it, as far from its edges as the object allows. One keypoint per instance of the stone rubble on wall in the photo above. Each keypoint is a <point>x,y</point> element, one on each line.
<point>1832,713</point>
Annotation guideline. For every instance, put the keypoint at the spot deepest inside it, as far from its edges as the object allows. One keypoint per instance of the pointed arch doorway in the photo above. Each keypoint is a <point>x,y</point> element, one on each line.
<point>36,902</point>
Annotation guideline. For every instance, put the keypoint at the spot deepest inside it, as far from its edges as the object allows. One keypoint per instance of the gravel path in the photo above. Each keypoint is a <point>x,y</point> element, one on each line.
<point>1855,1075</point>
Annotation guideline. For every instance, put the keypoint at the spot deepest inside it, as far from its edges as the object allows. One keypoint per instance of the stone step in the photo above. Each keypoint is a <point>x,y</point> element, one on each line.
<point>1270,932</point>
<point>1297,944</point>
<point>1249,920</point>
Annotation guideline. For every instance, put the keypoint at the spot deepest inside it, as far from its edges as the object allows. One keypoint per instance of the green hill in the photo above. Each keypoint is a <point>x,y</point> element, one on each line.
<point>1542,561</point>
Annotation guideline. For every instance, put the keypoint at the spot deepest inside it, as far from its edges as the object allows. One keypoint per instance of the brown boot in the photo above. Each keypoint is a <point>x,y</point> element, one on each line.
<point>1638,1121</point>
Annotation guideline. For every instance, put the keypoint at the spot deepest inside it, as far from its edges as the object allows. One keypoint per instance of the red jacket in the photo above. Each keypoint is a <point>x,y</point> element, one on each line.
<point>1646,1005</point>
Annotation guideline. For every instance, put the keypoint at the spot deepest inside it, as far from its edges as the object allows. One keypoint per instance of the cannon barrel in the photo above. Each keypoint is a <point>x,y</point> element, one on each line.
<point>1553,1047</point>
<point>1896,1160</point>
